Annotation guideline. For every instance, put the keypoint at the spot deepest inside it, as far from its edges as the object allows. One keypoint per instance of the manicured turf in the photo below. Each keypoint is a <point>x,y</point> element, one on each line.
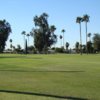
<point>49,77</point>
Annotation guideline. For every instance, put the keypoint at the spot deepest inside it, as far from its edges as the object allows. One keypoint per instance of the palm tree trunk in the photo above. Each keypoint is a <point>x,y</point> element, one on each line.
<point>24,38</point>
<point>24,42</point>
<point>80,40</point>
<point>86,38</point>
<point>90,38</point>
<point>63,39</point>
<point>26,46</point>
<point>60,43</point>
<point>28,41</point>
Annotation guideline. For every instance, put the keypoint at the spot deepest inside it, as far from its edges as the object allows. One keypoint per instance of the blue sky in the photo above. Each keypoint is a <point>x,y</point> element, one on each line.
<point>62,14</point>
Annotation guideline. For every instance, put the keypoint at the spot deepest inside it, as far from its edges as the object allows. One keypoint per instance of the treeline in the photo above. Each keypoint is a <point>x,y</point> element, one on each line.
<point>93,45</point>
<point>44,38</point>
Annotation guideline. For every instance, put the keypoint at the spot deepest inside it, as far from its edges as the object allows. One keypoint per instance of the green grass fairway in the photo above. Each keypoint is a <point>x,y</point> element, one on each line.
<point>49,77</point>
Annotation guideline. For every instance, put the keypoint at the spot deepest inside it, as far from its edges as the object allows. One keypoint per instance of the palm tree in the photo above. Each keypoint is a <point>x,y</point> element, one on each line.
<point>23,33</point>
<point>86,20</point>
<point>32,35</point>
<point>89,35</point>
<point>79,20</point>
<point>61,39</point>
<point>26,51</point>
<point>67,45</point>
<point>28,38</point>
<point>63,31</point>
<point>10,44</point>
<point>77,47</point>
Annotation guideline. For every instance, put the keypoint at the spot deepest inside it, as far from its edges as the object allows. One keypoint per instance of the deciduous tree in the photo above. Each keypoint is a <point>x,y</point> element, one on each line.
<point>44,35</point>
<point>5,30</point>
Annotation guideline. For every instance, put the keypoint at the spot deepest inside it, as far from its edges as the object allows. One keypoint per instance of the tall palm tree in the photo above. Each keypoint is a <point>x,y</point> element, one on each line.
<point>89,35</point>
<point>63,31</point>
<point>28,38</point>
<point>61,39</point>
<point>86,20</point>
<point>77,47</point>
<point>32,35</point>
<point>79,20</point>
<point>23,33</point>
<point>10,44</point>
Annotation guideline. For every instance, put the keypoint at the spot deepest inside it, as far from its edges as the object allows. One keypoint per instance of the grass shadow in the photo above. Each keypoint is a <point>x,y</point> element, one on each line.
<point>46,71</point>
<point>20,57</point>
<point>25,57</point>
<point>43,94</point>
<point>12,56</point>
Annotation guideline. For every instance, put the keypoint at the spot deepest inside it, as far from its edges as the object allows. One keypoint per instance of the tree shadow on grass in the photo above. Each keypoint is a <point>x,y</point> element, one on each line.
<point>12,57</point>
<point>43,94</point>
<point>25,57</point>
<point>46,71</point>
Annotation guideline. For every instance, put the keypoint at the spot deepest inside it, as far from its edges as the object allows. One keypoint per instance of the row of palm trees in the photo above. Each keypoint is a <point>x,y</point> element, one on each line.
<point>31,34</point>
<point>79,20</point>
<point>85,19</point>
